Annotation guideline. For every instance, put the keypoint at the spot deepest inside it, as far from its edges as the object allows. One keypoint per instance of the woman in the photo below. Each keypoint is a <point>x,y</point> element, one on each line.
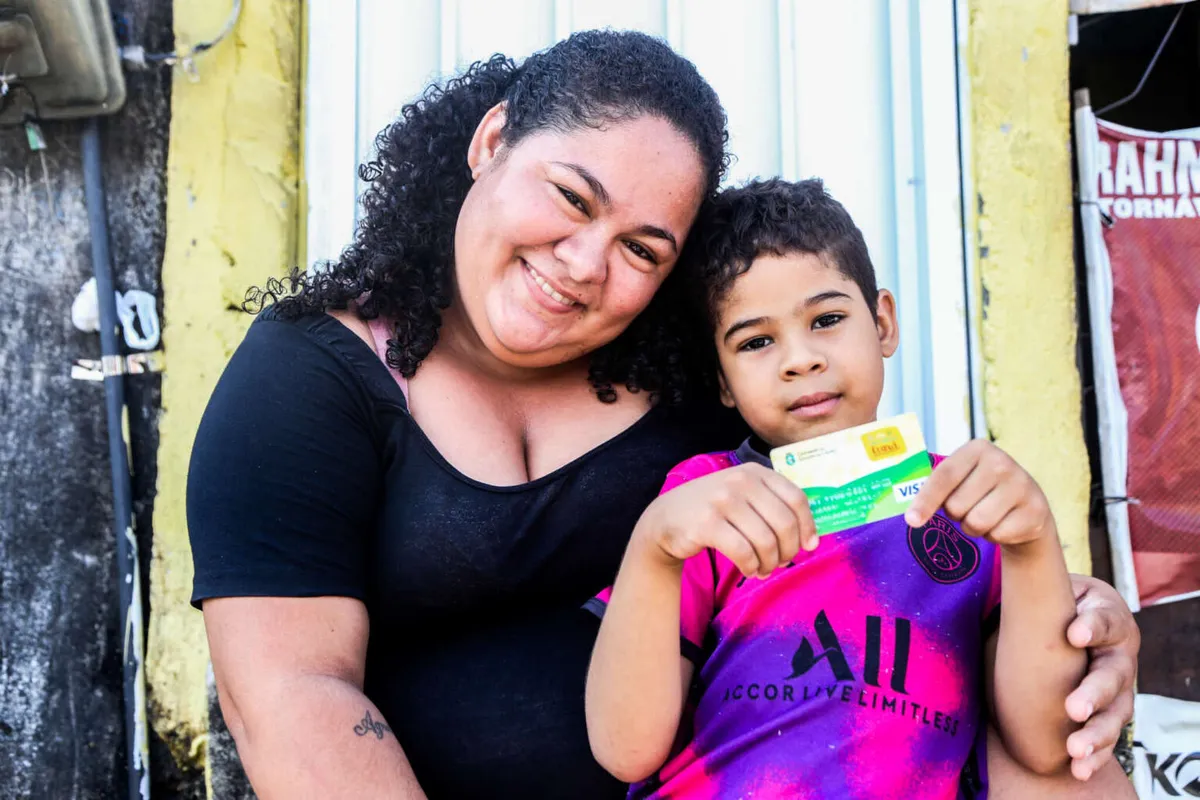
<point>458,425</point>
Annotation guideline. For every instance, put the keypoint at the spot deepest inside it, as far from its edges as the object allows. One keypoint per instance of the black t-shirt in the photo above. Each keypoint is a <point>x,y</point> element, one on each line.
<point>308,478</point>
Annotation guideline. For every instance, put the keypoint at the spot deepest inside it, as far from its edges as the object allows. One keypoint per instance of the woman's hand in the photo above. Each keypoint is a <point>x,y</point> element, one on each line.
<point>754,516</point>
<point>1104,700</point>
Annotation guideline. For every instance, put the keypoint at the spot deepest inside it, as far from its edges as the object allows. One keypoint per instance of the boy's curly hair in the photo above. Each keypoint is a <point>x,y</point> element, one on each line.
<point>402,257</point>
<point>771,216</point>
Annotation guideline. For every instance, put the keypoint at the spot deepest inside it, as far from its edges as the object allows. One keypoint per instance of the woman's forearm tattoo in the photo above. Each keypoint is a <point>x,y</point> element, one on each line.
<point>369,725</point>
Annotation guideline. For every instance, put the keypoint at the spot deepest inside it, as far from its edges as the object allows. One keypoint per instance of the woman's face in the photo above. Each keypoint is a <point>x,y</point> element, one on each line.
<point>565,237</point>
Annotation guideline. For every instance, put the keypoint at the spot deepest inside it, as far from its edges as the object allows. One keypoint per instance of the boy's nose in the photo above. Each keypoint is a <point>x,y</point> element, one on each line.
<point>800,359</point>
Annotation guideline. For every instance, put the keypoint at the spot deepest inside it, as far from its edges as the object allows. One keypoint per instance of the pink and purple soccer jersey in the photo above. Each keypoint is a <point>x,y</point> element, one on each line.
<point>855,672</point>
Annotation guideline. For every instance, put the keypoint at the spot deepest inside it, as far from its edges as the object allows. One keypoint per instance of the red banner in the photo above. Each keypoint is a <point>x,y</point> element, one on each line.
<point>1148,192</point>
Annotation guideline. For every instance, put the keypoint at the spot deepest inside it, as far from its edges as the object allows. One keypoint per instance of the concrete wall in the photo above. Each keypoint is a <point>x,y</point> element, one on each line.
<point>61,731</point>
<point>196,227</point>
<point>1019,151</point>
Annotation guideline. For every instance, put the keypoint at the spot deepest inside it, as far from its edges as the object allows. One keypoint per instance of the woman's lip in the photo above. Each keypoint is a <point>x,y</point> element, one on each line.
<point>545,300</point>
<point>819,408</point>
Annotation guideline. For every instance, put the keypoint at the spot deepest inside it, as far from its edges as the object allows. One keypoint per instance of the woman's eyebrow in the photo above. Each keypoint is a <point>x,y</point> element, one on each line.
<point>659,233</point>
<point>591,180</point>
<point>605,200</point>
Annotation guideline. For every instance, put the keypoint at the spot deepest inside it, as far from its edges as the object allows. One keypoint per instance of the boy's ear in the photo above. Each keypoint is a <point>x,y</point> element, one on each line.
<point>486,143</point>
<point>726,395</point>
<point>886,324</point>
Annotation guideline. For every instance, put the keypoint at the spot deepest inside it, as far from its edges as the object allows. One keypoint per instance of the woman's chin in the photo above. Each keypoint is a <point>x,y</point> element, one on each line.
<point>532,349</point>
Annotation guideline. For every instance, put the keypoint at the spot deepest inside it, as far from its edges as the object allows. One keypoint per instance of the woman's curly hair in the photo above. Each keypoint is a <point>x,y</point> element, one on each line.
<point>401,263</point>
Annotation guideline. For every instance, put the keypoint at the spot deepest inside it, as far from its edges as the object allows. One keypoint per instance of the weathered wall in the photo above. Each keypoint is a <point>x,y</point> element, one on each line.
<point>1019,155</point>
<point>61,729</point>
<point>231,222</point>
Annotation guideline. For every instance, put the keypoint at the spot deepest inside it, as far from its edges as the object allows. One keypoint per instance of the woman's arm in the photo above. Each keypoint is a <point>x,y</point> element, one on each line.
<point>289,677</point>
<point>1104,701</point>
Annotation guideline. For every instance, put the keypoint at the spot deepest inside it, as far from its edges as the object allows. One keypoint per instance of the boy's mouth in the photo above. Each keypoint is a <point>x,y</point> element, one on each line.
<point>815,405</point>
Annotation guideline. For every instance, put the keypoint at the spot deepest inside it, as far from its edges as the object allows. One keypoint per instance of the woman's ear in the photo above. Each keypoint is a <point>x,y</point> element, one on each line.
<point>486,143</point>
<point>886,324</point>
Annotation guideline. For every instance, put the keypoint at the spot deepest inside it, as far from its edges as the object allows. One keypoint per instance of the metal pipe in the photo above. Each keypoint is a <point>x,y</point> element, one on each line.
<point>129,578</point>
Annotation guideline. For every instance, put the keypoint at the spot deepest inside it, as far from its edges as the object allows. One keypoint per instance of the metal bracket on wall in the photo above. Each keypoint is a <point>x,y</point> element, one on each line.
<point>58,60</point>
<point>91,369</point>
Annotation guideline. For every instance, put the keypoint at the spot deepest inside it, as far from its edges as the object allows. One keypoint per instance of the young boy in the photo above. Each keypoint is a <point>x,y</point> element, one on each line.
<point>858,668</point>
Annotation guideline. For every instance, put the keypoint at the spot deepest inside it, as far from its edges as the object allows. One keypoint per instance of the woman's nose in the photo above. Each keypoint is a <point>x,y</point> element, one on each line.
<point>585,254</point>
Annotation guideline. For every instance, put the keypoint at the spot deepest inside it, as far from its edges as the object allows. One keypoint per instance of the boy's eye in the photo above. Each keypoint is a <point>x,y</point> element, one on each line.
<point>828,320</point>
<point>573,199</point>
<point>641,251</point>
<point>757,343</point>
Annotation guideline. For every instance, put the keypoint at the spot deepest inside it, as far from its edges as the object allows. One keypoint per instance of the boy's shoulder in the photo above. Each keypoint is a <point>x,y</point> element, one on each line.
<point>697,467</point>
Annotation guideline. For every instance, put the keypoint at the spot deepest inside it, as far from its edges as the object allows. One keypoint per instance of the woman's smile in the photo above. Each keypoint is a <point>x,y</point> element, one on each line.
<point>547,295</point>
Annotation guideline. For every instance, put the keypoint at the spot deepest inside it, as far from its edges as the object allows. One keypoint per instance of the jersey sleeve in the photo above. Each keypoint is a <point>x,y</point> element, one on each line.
<point>285,472</point>
<point>700,573</point>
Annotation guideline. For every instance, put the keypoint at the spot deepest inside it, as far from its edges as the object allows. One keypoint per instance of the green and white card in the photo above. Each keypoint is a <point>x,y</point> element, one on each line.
<point>859,475</point>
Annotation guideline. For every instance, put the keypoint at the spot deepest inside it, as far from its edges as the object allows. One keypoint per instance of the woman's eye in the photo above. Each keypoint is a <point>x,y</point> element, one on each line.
<point>641,251</point>
<point>828,320</point>
<point>757,343</point>
<point>573,199</point>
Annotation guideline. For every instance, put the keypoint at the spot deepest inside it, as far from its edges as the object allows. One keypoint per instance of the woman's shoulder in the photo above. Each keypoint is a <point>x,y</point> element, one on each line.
<point>339,341</point>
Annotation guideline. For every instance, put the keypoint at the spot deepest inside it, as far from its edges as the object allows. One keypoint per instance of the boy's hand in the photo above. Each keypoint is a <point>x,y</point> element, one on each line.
<point>983,489</point>
<point>754,516</point>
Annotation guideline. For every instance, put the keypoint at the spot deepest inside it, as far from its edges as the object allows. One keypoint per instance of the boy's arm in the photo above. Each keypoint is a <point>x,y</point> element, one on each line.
<point>638,681</point>
<point>1031,665</point>
<point>1035,667</point>
<point>636,687</point>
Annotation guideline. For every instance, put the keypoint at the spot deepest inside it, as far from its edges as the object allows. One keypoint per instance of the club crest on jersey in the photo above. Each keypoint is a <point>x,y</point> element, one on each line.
<point>945,554</point>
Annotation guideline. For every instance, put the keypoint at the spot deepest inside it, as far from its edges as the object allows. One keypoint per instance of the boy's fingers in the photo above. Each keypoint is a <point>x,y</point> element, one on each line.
<point>781,519</point>
<point>797,501</point>
<point>755,530</point>
<point>729,541</point>
<point>997,513</point>
<point>974,487</point>
<point>941,484</point>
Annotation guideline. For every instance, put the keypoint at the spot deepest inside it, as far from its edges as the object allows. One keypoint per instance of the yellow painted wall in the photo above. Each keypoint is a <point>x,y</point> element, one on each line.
<point>232,211</point>
<point>1019,156</point>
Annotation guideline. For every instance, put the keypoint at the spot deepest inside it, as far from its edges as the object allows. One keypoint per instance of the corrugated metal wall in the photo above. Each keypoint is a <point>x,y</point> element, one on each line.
<point>859,92</point>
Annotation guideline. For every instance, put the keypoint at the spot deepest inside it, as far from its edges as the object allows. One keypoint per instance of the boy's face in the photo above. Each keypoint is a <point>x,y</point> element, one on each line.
<point>800,353</point>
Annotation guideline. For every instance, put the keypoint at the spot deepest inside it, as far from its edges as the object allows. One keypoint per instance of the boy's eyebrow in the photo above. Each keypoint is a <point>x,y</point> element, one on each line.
<point>820,297</point>
<point>742,324</point>
<point>591,180</point>
<point>832,294</point>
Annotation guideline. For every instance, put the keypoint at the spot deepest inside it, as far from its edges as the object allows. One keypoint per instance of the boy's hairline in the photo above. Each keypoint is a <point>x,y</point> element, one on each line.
<point>718,295</point>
